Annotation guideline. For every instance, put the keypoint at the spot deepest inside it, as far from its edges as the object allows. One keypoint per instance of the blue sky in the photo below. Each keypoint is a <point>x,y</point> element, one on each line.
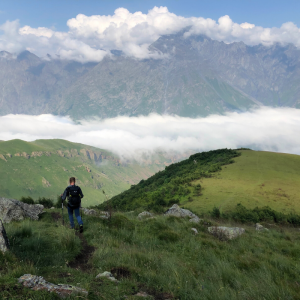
<point>45,13</point>
<point>103,25</point>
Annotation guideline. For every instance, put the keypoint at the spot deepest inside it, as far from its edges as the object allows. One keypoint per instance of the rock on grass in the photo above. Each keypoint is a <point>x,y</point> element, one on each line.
<point>38,283</point>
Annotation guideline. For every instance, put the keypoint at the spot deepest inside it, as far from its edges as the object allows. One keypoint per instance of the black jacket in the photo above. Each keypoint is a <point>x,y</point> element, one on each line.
<point>74,194</point>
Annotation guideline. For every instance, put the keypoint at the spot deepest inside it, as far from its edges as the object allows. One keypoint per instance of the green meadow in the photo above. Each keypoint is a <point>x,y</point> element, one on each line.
<point>256,178</point>
<point>161,257</point>
<point>220,178</point>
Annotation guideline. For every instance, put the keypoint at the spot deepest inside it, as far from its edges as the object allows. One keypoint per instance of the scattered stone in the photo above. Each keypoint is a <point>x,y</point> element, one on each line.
<point>4,243</point>
<point>144,215</point>
<point>226,232</point>
<point>38,283</point>
<point>143,294</point>
<point>14,210</point>
<point>52,207</point>
<point>90,212</point>
<point>176,211</point>
<point>107,275</point>
<point>60,153</point>
<point>3,157</point>
<point>194,230</point>
<point>259,227</point>
<point>104,213</point>
<point>45,182</point>
<point>195,220</point>
<point>37,153</point>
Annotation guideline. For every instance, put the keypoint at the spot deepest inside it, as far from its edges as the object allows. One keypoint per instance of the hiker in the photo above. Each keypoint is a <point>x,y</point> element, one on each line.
<point>74,194</point>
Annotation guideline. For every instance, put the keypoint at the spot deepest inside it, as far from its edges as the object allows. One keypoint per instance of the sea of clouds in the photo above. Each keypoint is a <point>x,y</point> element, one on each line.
<point>90,38</point>
<point>269,129</point>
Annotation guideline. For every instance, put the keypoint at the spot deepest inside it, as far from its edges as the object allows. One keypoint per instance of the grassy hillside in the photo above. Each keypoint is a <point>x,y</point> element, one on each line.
<point>42,169</point>
<point>161,257</point>
<point>256,178</point>
<point>174,184</point>
<point>221,178</point>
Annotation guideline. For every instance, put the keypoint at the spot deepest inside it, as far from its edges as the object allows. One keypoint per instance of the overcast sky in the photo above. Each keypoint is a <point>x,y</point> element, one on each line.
<point>88,30</point>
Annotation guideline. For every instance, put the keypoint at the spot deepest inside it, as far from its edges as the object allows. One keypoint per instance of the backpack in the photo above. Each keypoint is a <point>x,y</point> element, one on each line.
<point>74,198</point>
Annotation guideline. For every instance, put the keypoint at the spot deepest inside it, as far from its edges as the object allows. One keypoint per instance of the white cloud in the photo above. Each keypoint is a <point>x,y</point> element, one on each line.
<point>90,38</point>
<point>270,129</point>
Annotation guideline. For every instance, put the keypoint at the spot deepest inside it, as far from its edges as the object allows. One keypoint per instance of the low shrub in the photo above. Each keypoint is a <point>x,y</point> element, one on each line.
<point>216,213</point>
<point>262,214</point>
<point>47,202</point>
<point>27,200</point>
<point>58,202</point>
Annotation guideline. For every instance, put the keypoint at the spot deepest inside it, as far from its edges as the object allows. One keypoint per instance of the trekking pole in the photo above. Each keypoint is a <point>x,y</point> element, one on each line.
<point>62,212</point>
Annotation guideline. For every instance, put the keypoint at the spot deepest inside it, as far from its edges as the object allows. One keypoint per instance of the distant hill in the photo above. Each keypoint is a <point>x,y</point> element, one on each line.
<point>220,178</point>
<point>200,77</point>
<point>42,169</point>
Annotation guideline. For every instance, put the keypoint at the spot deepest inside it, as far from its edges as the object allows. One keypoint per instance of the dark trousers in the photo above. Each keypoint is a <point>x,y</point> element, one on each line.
<point>77,215</point>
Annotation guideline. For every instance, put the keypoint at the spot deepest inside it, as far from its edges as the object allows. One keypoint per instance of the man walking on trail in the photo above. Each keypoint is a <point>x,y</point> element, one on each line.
<point>74,194</point>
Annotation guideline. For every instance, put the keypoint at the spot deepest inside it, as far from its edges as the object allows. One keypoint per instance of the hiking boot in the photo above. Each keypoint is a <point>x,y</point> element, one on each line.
<point>81,229</point>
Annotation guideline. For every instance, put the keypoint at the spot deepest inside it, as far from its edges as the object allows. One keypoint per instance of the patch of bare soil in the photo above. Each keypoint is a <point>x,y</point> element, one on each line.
<point>64,275</point>
<point>55,216</point>
<point>81,260</point>
<point>156,294</point>
<point>10,288</point>
<point>120,273</point>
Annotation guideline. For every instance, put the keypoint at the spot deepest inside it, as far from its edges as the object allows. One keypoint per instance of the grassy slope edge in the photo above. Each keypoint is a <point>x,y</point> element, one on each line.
<point>221,178</point>
<point>174,184</point>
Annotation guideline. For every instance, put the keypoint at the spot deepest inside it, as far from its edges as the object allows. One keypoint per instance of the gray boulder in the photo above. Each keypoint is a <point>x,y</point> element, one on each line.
<point>90,212</point>
<point>195,231</point>
<point>14,210</point>
<point>38,283</point>
<point>107,275</point>
<point>144,215</point>
<point>144,295</point>
<point>195,220</point>
<point>259,227</point>
<point>176,211</point>
<point>4,243</point>
<point>226,233</point>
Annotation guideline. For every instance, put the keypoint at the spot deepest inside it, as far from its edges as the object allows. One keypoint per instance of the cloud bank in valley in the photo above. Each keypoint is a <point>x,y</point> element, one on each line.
<point>270,129</point>
<point>90,38</point>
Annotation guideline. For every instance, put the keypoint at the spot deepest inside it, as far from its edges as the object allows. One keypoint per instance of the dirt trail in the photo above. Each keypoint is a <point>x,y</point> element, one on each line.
<point>81,260</point>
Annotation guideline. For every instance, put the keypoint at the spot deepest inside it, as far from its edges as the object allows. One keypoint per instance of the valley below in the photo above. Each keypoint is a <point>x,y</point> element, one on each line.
<point>43,168</point>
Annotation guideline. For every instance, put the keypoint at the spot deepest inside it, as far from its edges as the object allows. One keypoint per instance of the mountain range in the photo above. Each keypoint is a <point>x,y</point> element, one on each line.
<point>198,76</point>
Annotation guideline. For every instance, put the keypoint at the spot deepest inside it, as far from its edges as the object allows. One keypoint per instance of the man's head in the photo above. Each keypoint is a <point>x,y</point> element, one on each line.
<point>72,180</point>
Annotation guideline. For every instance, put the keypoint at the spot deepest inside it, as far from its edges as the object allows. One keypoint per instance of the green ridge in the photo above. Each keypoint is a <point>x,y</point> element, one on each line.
<point>255,179</point>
